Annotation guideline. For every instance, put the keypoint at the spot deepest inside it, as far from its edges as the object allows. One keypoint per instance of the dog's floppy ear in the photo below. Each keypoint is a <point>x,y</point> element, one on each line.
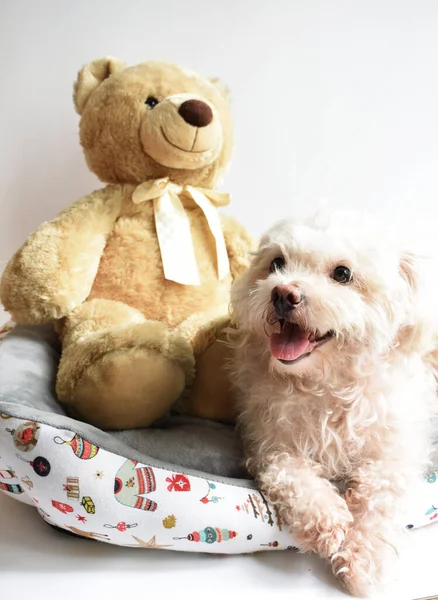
<point>417,334</point>
<point>409,265</point>
<point>91,76</point>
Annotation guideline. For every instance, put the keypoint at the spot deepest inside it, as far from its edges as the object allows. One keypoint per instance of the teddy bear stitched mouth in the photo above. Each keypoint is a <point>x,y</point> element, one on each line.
<point>293,343</point>
<point>179,147</point>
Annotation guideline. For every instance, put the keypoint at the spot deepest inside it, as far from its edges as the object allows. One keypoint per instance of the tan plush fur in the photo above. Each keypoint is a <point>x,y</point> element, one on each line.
<point>131,338</point>
<point>357,405</point>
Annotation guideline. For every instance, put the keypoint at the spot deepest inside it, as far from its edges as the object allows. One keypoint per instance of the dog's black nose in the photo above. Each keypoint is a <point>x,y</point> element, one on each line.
<point>196,113</point>
<point>285,298</point>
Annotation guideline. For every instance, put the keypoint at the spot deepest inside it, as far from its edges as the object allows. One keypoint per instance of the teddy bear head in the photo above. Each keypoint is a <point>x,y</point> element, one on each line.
<point>153,120</point>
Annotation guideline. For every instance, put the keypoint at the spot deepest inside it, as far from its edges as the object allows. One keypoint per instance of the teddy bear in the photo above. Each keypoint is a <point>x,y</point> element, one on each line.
<point>136,275</point>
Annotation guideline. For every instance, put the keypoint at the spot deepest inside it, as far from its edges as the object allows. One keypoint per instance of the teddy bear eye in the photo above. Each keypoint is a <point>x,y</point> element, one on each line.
<point>342,274</point>
<point>151,101</point>
<point>277,264</point>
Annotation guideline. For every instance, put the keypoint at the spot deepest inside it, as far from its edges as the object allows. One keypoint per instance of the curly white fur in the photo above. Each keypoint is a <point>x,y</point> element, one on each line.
<point>358,408</point>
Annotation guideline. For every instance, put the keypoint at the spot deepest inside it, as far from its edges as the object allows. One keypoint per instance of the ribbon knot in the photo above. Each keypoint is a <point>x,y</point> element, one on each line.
<point>173,227</point>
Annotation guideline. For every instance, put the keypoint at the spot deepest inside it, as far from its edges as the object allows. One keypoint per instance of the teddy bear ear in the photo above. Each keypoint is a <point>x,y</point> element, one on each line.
<point>91,76</point>
<point>221,86</point>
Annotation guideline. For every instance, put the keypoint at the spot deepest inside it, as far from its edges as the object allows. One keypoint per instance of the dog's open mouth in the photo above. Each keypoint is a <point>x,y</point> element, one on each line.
<point>294,343</point>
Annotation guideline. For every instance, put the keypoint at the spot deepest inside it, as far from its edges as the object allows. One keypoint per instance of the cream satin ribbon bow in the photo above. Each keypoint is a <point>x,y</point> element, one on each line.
<point>173,227</point>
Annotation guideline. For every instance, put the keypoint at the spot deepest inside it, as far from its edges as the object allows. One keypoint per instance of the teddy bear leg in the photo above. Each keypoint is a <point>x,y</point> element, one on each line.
<point>210,396</point>
<point>119,370</point>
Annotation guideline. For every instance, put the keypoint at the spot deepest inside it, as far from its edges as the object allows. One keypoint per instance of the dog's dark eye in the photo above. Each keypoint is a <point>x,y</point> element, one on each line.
<point>277,264</point>
<point>151,101</point>
<point>342,274</point>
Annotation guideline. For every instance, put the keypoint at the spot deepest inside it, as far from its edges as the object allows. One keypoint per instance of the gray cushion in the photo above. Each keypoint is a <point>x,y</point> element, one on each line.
<point>208,452</point>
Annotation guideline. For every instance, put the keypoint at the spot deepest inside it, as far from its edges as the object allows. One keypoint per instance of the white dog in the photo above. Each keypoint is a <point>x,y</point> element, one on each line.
<point>334,363</point>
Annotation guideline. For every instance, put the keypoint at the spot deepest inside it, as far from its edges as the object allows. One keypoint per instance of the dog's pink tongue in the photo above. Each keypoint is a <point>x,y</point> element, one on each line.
<point>291,343</point>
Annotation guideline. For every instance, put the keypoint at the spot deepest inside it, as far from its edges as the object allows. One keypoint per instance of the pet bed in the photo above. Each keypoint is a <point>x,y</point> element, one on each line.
<point>179,485</point>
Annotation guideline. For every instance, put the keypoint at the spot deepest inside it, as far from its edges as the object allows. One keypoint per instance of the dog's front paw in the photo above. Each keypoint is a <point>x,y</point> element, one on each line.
<point>323,527</point>
<point>351,566</point>
<point>362,562</point>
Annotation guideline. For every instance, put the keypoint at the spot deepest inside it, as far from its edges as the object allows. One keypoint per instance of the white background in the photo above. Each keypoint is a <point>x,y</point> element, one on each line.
<point>332,99</point>
<point>37,563</point>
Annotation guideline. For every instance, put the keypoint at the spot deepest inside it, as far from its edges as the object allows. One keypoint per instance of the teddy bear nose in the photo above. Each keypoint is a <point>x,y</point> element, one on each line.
<point>196,113</point>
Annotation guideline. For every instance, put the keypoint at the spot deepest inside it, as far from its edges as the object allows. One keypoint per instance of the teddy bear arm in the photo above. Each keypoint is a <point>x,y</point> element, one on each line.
<point>201,329</point>
<point>239,245</point>
<point>54,270</point>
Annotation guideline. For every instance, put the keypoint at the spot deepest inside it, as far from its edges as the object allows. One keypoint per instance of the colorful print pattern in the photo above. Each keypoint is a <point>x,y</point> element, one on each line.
<point>99,495</point>
<point>132,482</point>
<point>132,504</point>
